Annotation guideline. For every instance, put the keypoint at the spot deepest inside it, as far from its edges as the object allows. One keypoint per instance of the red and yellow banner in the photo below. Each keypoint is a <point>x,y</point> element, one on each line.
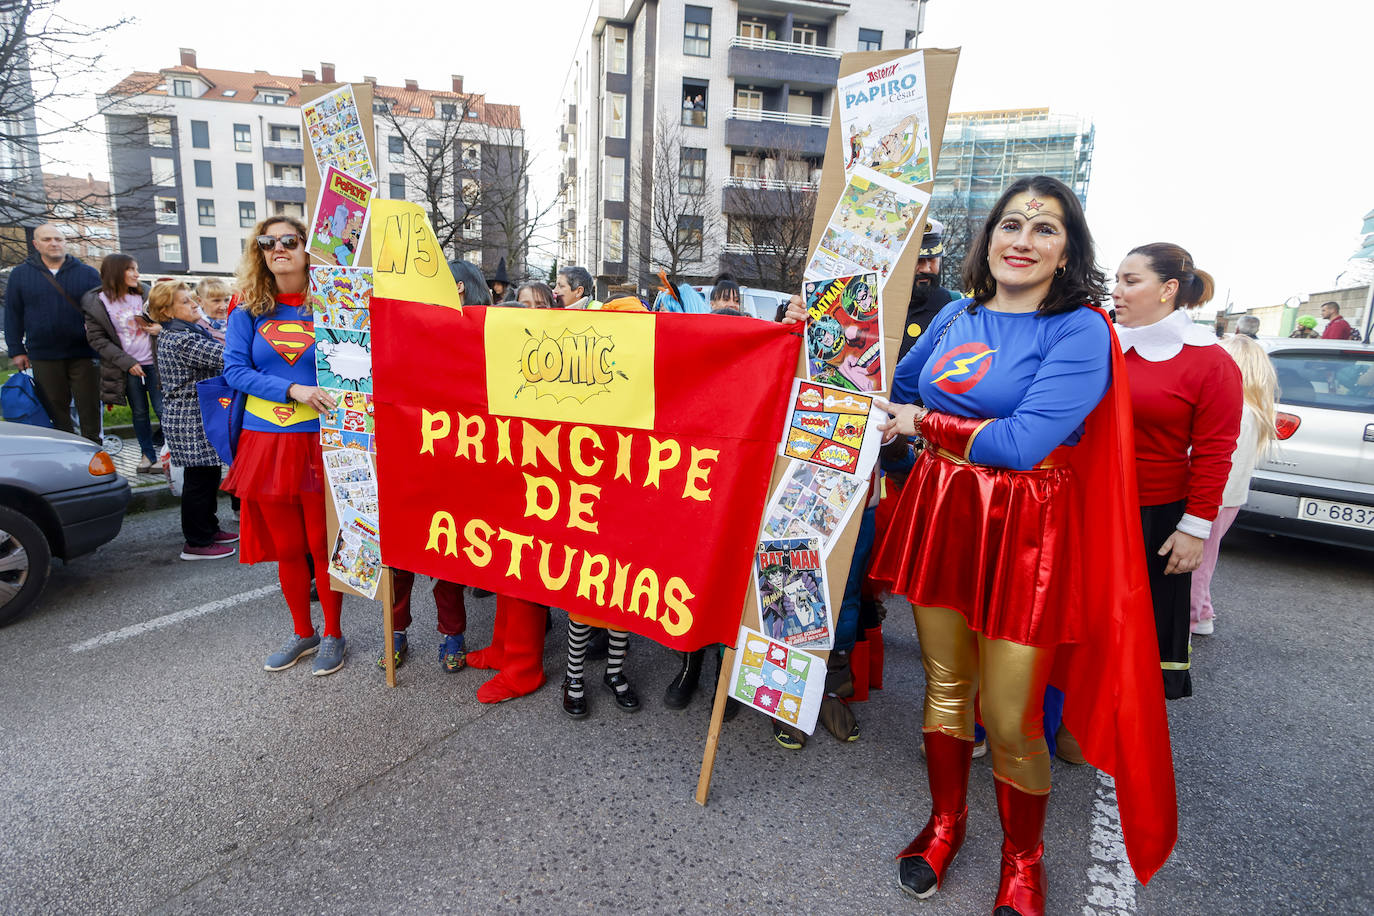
<point>614,464</point>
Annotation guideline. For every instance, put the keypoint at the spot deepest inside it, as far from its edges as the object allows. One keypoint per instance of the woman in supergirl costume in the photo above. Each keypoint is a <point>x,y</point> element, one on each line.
<point>1016,539</point>
<point>278,470</point>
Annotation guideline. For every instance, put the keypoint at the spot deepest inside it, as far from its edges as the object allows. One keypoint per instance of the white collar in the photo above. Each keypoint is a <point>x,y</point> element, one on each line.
<point>1165,338</point>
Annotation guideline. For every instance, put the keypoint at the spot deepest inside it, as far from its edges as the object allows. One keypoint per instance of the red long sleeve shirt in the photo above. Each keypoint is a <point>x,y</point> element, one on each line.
<point>1187,418</point>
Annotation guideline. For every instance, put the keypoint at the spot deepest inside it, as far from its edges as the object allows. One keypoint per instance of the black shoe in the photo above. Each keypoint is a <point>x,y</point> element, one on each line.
<point>731,709</point>
<point>600,643</point>
<point>916,877</point>
<point>794,739</point>
<point>576,707</point>
<point>681,688</point>
<point>625,696</point>
<point>480,592</point>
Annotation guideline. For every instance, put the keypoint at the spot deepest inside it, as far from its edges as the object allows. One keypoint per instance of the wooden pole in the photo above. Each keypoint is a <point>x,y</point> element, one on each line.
<point>386,591</point>
<point>708,759</point>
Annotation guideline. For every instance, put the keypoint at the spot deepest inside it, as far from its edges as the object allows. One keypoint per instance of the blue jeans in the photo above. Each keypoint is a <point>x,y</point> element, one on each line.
<point>847,622</point>
<point>141,391</point>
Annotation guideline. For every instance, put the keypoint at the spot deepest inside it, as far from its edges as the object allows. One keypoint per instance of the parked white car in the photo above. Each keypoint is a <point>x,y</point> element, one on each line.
<point>756,302</point>
<point>1317,482</point>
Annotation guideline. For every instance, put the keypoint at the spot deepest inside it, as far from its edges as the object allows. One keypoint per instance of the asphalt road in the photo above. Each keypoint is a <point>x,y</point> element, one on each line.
<point>159,768</point>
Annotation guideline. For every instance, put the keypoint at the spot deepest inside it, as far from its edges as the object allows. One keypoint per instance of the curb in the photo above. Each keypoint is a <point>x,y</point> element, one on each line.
<point>149,497</point>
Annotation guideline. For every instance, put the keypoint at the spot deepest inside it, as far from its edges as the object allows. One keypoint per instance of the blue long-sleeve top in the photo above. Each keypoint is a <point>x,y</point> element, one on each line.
<point>1037,377</point>
<point>264,357</point>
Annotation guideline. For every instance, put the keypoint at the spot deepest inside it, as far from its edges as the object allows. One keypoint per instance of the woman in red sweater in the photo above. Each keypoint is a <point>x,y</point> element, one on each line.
<point>1186,401</point>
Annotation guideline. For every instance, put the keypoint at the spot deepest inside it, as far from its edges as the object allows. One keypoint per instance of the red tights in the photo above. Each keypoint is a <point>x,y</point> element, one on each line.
<point>299,534</point>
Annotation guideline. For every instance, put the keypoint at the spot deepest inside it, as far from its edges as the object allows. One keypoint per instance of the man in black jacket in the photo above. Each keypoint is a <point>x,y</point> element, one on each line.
<point>46,330</point>
<point>927,295</point>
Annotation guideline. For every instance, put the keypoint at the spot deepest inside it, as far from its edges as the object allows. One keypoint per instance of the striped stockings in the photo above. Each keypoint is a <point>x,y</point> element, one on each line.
<point>579,634</point>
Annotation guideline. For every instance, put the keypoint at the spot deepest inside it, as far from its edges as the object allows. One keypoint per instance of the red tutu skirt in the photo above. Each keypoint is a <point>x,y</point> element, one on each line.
<point>998,546</point>
<point>280,479</point>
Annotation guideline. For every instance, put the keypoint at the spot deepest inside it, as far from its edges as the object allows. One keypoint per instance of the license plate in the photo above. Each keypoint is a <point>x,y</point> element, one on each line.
<point>1347,515</point>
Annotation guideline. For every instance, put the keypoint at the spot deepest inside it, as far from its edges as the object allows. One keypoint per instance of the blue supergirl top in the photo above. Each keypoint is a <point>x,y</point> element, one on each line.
<point>1037,376</point>
<point>264,357</point>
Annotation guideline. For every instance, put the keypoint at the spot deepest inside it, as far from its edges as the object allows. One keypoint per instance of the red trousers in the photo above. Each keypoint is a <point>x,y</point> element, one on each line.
<point>448,598</point>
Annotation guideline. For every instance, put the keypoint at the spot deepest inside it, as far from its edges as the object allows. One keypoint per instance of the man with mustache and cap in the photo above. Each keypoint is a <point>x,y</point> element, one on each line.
<point>927,295</point>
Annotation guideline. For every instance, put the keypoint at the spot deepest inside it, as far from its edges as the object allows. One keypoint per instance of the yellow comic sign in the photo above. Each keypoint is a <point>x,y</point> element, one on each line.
<point>407,260</point>
<point>582,367</point>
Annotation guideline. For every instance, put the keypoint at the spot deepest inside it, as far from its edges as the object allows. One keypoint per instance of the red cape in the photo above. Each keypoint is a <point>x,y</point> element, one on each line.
<point>1114,695</point>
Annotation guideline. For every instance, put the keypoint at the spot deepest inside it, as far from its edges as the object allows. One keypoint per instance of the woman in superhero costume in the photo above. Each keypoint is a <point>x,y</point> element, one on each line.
<point>1014,582</point>
<point>278,470</point>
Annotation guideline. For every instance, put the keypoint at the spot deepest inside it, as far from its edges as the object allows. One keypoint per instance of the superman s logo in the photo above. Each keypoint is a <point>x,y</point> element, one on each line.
<point>284,413</point>
<point>289,338</point>
<point>225,402</point>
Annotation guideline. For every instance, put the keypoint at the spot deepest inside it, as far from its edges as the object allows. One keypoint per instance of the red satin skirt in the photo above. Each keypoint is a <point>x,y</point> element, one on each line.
<point>999,546</point>
<point>280,479</point>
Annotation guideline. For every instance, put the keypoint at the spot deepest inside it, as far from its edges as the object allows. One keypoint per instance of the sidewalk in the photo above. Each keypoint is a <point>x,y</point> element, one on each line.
<point>150,490</point>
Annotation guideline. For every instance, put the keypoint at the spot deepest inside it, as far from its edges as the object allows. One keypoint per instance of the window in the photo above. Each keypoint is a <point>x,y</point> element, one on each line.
<point>182,88</point>
<point>164,171</point>
<point>448,110</point>
<point>696,31</point>
<point>205,212</point>
<point>689,232</point>
<point>473,256</point>
<point>203,177</point>
<point>615,239</point>
<point>200,134</point>
<point>748,100</point>
<point>804,35</point>
<point>286,136</point>
<point>911,36</point>
<point>618,42</point>
<point>743,165</point>
<point>1331,379</point>
<point>799,103</point>
<point>288,175</point>
<point>615,115</point>
<point>615,179</point>
<point>160,132</point>
<point>244,170</point>
<point>472,155</point>
<point>397,189</point>
<point>230,93</point>
<point>694,97</point>
<point>870,40</point>
<point>248,214</point>
<point>381,106</point>
<point>209,250</point>
<point>165,209</point>
<point>472,226</point>
<point>288,208</point>
<point>432,148</point>
<point>753,29</point>
<point>243,138</point>
<point>169,248</point>
<point>271,98</point>
<point>796,171</point>
<point>395,149</point>
<point>691,170</point>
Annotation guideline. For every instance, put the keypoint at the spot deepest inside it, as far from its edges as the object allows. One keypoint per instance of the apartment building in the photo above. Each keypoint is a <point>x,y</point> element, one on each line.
<point>21,174</point>
<point>199,155</point>
<point>80,207</point>
<point>692,132</point>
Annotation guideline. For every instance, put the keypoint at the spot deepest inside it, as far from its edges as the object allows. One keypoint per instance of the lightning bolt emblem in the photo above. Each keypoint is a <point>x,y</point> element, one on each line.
<point>963,366</point>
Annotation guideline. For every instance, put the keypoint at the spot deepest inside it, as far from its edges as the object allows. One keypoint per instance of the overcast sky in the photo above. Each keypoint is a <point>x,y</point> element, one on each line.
<point>1241,131</point>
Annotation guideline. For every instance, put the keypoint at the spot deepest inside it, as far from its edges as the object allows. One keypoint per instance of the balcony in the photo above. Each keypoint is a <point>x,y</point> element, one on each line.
<point>284,152</point>
<point>758,196</point>
<point>289,190</point>
<point>763,61</point>
<point>755,128</point>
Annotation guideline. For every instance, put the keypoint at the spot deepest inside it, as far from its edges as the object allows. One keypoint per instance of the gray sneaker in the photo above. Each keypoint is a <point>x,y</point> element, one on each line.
<point>331,656</point>
<point>293,650</point>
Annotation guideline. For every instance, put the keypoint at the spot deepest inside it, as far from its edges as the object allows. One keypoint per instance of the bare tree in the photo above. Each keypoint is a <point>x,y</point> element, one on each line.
<point>770,215</point>
<point>959,223</point>
<point>685,232</point>
<point>433,154</point>
<point>518,218</point>
<point>46,61</point>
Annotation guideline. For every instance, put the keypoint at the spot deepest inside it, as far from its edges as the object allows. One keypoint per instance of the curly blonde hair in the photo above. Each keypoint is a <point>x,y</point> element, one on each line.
<point>256,285</point>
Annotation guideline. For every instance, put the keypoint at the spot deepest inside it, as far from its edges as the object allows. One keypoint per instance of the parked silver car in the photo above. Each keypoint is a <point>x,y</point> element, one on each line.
<point>59,497</point>
<point>1317,482</point>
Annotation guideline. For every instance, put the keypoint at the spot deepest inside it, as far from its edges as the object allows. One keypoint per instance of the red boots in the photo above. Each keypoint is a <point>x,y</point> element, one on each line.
<point>517,649</point>
<point>1022,889</point>
<point>930,854</point>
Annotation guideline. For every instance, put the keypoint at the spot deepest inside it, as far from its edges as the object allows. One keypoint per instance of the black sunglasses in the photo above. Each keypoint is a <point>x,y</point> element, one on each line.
<point>288,241</point>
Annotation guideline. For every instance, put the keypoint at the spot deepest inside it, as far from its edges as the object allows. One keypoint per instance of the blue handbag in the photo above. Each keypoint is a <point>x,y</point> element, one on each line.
<point>19,401</point>
<point>221,413</point>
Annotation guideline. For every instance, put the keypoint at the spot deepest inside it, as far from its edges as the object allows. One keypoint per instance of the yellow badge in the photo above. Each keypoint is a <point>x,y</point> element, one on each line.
<point>913,330</point>
<point>593,368</point>
<point>279,414</point>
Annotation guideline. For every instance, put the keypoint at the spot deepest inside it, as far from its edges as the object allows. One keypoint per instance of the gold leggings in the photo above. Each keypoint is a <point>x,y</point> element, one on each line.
<point>1010,680</point>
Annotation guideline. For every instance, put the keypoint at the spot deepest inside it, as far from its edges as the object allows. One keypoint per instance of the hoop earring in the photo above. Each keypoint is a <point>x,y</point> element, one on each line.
<point>1059,272</point>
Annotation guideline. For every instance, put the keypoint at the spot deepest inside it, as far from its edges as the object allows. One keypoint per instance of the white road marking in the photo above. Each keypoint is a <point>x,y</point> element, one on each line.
<point>167,620</point>
<point>1111,883</point>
